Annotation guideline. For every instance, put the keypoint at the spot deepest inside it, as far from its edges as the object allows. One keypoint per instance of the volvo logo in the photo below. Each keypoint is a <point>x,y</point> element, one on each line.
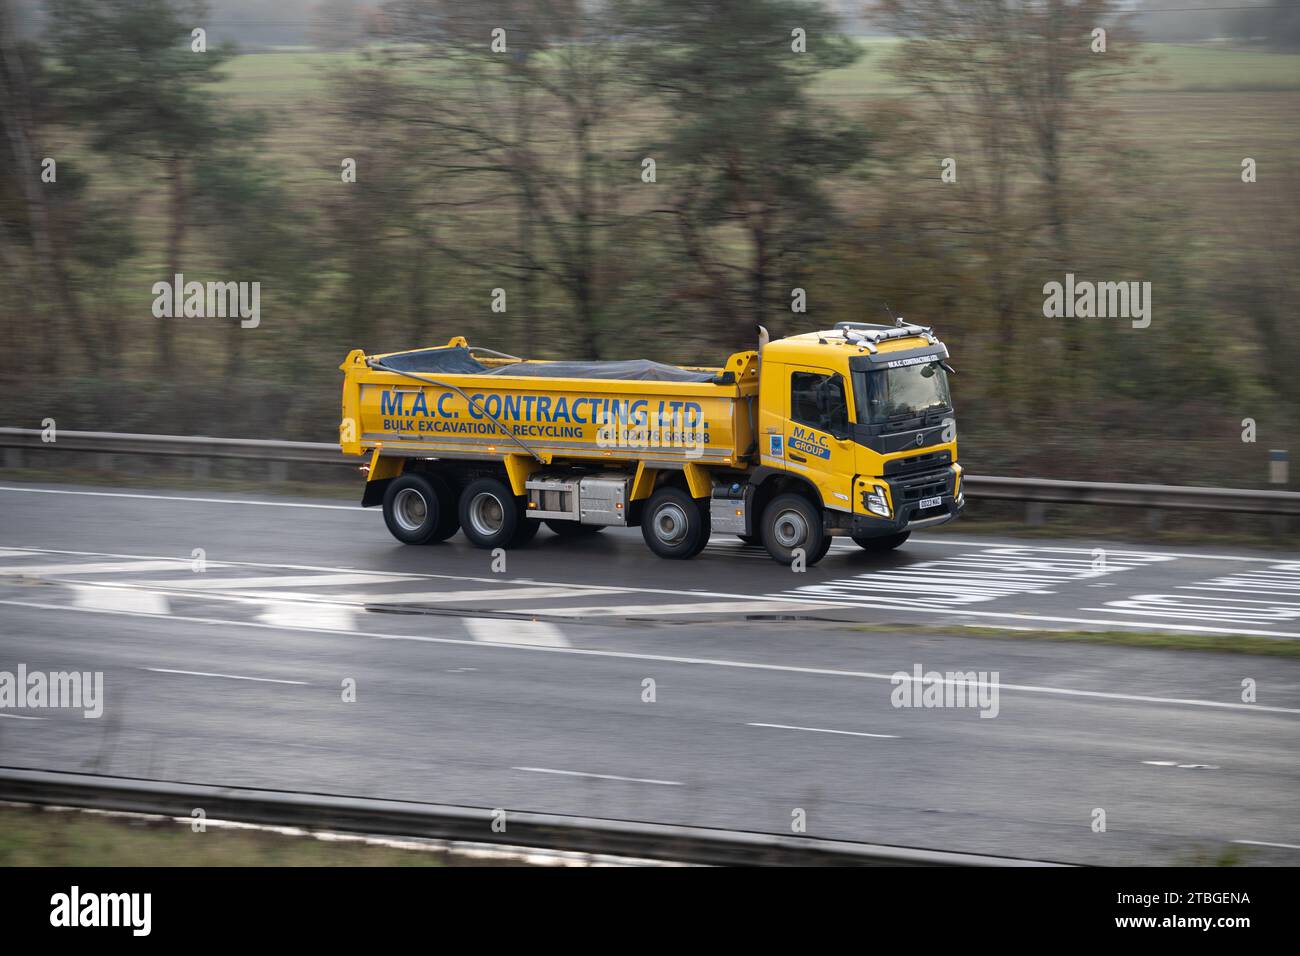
<point>920,438</point>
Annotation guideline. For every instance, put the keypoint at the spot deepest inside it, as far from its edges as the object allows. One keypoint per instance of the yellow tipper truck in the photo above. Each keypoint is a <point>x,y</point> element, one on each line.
<point>843,432</point>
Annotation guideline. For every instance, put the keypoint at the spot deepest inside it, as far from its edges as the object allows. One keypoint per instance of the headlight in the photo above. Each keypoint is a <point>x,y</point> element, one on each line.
<point>878,502</point>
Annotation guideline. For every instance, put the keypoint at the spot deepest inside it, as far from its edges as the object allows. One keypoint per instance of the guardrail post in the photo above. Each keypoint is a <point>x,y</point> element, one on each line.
<point>104,463</point>
<point>200,468</point>
<point>279,471</point>
<point>13,457</point>
<point>1278,474</point>
<point>1278,466</point>
<point>1035,514</point>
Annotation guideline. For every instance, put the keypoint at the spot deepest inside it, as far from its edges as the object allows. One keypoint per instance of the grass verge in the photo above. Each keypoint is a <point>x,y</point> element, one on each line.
<point>34,836</point>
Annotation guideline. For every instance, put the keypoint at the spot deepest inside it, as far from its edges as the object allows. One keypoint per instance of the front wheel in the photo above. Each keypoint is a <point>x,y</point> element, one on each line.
<point>674,524</point>
<point>884,543</point>
<point>792,523</point>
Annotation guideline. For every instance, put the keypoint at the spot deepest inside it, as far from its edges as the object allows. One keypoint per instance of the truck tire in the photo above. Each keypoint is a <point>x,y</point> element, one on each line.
<point>418,509</point>
<point>881,544</point>
<point>790,522</point>
<point>674,524</point>
<point>492,516</point>
<point>572,529</point>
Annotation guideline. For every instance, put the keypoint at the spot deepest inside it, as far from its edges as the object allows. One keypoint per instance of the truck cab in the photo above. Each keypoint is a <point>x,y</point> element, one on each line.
<point>862,416</point>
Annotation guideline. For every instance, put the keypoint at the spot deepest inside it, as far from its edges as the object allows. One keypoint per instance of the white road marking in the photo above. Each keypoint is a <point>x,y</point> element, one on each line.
<point>1181,766</point>
<point>823,730</point>
<point>120,599</point>
<point>600,776</point>
<point>858,605</point>
<point>1282,846</point>
<point>494,630</point>
<point>670,659</point>
<point>657,610</point>
<point>956,541</point>
<point>204,582</point>
<point>213,501</point>
<point>477,594</point>
<point>96,567</point>
<point>1197,608</point>
<point>19,716</point>
<point>329,617</point>
<point>494,580</point>
<point>954,583</point>
<point>260,680</point>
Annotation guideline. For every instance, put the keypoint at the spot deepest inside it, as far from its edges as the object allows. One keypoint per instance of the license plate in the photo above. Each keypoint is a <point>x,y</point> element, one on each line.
<point>930,502</point>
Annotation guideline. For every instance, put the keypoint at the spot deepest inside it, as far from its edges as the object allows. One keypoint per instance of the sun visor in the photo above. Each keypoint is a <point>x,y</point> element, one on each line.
<point>869,362</point>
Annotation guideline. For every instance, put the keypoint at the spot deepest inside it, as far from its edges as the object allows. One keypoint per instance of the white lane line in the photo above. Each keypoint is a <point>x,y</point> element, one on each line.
<point>1281,846</point>
<point>204,582</point>
<point>600,776</point>
<point>492,630</point>
<point>19,716</point>
<point>669,659</point>
<point>699,607</point>
<point>445,597</point>
<point>823,730</point>
<point>848,605</point>
<point>260,680</point>
<point>97,567</point>
<point>214,501</point>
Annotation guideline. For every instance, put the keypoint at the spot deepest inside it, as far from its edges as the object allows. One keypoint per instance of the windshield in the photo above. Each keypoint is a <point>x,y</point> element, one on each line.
<point>906,392</point>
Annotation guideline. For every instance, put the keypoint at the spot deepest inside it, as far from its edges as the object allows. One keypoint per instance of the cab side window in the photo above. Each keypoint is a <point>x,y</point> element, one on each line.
<point>818,401</point>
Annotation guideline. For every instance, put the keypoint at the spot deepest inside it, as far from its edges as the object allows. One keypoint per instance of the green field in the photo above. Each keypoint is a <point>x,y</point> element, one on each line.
<point>1162,67</point>
<point>1196,110</point>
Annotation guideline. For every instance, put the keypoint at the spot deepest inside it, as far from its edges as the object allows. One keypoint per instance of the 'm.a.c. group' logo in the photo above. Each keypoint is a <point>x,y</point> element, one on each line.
<point>809,442</point>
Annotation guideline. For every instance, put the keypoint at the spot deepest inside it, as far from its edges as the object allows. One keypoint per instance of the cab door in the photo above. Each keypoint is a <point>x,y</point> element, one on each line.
<point>817,444</point>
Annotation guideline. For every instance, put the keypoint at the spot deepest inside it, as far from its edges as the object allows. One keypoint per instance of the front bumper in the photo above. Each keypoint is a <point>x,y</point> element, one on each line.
<point>905,497</point>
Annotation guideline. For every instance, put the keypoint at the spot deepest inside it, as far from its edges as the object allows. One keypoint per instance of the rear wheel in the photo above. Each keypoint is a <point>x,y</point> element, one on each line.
<point>572,529</point>
<point>418,509</point>
<point>492,516</point>
<point>791,523</point>
<point>884,543</point>
<point>674,524</point>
